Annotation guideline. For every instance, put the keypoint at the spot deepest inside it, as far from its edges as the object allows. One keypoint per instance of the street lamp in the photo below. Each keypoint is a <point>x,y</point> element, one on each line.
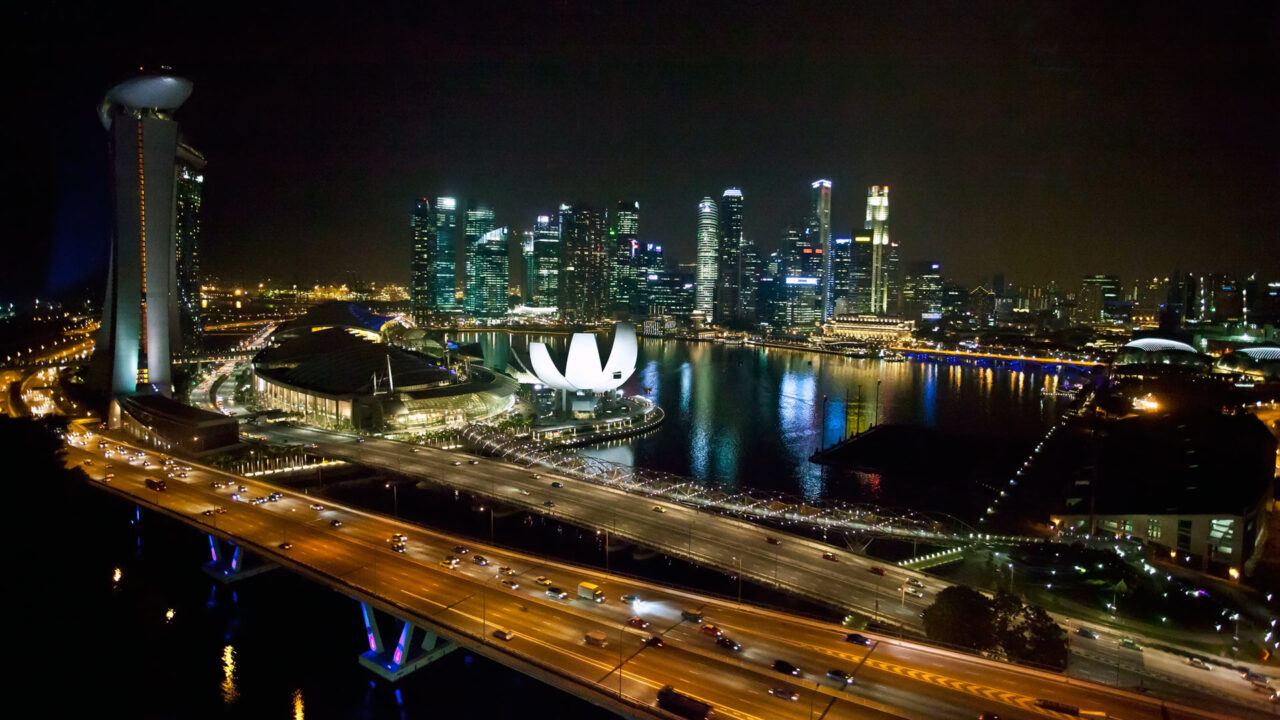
<point>395,498</point>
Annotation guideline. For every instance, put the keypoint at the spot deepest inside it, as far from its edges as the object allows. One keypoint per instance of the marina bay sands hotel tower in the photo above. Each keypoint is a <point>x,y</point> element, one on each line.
<point>140,315</point>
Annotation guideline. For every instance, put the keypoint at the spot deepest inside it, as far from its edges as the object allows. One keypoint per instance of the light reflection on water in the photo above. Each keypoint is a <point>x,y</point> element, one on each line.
<point>229,691</point>
<point>751,417</point>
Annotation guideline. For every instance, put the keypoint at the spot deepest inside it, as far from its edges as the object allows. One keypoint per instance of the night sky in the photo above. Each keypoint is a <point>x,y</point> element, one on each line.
<point>1041,140</point>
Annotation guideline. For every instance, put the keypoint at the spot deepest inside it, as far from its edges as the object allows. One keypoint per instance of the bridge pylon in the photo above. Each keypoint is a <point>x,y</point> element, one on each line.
<point>394,664</point>
<point>230,563</point>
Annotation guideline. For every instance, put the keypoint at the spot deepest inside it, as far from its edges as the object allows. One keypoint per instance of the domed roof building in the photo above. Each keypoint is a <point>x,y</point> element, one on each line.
<point>1154,356</point>
<point>1261,362</point>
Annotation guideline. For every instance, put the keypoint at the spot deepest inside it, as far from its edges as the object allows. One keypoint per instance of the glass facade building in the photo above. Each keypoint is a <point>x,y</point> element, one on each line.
<point>583,281</point>
<point>479,222</point>
<point>624,231</point>
<point>708,247</point>
<point>819,232</point>
<point>883,258</point>
<point>489,278</point>
<point>422,265</point>
<point>446,257</point>
<point>546,261</point>
<point>188,192</point>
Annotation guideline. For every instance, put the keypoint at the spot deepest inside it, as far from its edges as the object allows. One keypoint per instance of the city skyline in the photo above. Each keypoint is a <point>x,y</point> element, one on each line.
<point>1030,142</point>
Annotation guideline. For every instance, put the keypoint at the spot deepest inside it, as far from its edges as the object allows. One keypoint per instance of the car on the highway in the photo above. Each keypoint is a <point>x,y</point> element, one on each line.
<point>772,540</point>
<point>654,641</point>
<point>785,693</point>
<point>830,556</point>
<point>474,462</point>
<point>275,496</point>
<point>988,716</point>
<point>840,676</point>
<point>876,570</point>
<point>461,549</point>
<point>1086,633</point>
<point>557,593</point>
<point>542,580</point>
<point>108,476</point>
<point>915,583</point>
<point>510,584</point>
<point>398,537</point>
<point>182,474</point>
<point>638,622</point>
<point>480,560</point>
<point>259,500</point>
<point>536,476</point>
<point>549,504</point>
<point>88,462</point>
<point>243,488</point>
<point>451,559</point>
<point>725,642</point>
<point>286,546</point>
<point>207,513</point>
<point>398,547</point>
<point>785,668</point>
<point>448,565</point>
<point>710,629</point>
<point>335,523</point>
<point>502,634</point>
<point>913,592</point>
<point>236,497</point>
<point>659,509</point>
<point>359,440</point>
<point>456,463</point>
<point>630,599</point>
<point>858,639</point>
<point>504,570</point>
<point>317,507</point>
<point>1129,643</point>
<point>1196,662</point>
<point>414,450</point>
<point>557,484</point>
<point>1252,676</point>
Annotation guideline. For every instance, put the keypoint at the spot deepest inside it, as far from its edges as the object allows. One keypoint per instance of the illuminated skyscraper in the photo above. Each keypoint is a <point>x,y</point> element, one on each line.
<point>546,261</point>
<point>446,257</point>
<point>422,266</point>
<point>729,257</point>
<point>489,277</point>
<point>584,286</point>
<point>708,247</point>
<point>820,240</point>
<point>860,256</point>
<point>881,264</point>
<point>479,222</point>
<point>188,193</point>
<point>140,311</point>
<point>624,227</point>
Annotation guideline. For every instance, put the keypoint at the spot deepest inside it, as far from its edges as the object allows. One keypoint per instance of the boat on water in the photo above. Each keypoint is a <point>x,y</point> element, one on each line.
<point>893,357</point>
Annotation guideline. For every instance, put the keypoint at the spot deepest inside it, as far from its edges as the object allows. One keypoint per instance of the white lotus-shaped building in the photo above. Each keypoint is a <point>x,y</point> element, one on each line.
<point>583,370</point>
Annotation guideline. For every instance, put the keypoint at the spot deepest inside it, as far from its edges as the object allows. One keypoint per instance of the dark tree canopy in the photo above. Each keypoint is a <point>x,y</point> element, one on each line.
<point>961,616</point>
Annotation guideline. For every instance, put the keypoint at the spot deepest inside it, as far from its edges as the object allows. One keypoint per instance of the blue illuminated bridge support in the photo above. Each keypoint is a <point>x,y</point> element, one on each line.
<point>228,562</point>
<point>404,658</point>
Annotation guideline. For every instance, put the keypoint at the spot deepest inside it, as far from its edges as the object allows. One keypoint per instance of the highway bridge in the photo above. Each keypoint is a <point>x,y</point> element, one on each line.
<point>466,603</point>
<point>1010,357</point>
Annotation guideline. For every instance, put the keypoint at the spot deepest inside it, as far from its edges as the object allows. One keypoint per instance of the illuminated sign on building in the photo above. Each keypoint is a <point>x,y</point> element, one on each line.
<point>802,281</point>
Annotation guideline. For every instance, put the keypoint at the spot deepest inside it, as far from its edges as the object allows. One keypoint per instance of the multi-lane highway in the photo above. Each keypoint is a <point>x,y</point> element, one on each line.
<point>892,679</point>
<point>710,539</point>
<point>741,547</point>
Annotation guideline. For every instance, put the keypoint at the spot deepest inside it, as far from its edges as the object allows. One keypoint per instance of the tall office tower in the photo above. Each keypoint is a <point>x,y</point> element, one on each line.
<point>584,286</point>
<point>188,192</point>
<point>842,276</point>
<point>546,262</point>
<point>624,227</point>
<point>140,307</point>
<point>527,268</point>
<point>446,253</point>
<point>729,256</point>
<point>708,246</point>
<point>922,291</point>
<point>878,224</point>
<point>1097,301</point>
<point>749,270</point>
<point>479,222</point>
<point>820,239</point>
<point>489,277</point>
<point>422,266</point>
<point>892,280</point>
<point>860,257</point>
